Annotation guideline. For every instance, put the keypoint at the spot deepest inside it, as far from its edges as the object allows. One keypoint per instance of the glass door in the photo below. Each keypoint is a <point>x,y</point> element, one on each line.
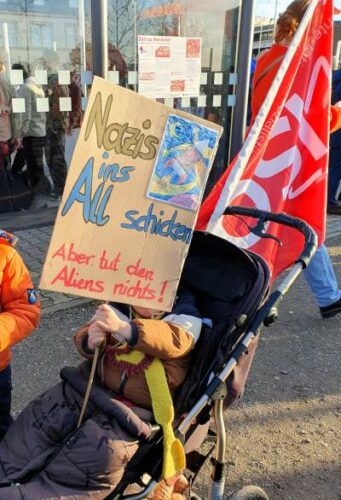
<point>215,24</point>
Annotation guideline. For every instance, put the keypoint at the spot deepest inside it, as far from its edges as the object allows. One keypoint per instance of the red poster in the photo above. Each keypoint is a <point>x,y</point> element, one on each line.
<point>193,47</point>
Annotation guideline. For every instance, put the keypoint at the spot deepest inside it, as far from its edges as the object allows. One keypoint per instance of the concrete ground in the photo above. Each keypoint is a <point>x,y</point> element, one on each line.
<point>284,437</point>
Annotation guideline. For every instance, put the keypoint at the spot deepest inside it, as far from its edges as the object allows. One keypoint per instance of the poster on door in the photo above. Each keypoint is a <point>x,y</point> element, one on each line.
<point>169,66</point>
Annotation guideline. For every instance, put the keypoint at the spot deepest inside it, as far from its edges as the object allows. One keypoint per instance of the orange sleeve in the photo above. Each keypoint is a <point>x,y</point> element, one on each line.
<point>18,317</point>
<point>162,340</point>
<point>335,118</point>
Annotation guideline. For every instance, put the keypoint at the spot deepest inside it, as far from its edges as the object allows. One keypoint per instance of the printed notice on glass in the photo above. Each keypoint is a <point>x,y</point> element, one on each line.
<point>169,66</point>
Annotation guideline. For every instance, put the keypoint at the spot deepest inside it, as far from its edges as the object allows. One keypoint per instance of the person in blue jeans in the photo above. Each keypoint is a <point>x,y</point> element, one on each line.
<point>322,281</point>
<point>320,274</point>
<point>334,175</point>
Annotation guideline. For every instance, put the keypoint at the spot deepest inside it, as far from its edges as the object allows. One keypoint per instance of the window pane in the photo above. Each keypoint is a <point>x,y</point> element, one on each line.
<point>13,34</point>
<point>46,32</point>
<point>71,35</point>
<point>54,38</point>
<point>35,35</point>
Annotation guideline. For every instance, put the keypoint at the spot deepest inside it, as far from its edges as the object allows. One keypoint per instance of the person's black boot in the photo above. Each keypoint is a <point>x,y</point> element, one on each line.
<point>332,310</point>
<point>334,208</point>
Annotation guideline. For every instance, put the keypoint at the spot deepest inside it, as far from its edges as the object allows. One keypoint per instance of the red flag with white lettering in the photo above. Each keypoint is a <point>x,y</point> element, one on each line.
<point>282,166</point>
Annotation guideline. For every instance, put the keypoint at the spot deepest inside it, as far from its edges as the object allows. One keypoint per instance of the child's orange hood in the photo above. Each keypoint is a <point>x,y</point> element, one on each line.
<point>7,238</point>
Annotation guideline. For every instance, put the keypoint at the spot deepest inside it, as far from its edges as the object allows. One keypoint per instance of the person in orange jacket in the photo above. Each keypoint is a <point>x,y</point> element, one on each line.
<point>269,60</point>
<point>19,316</point>
<point>319,274</point>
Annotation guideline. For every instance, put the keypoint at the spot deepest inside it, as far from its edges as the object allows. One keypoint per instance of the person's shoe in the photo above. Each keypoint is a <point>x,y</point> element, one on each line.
<point>39,201</point>
<point>55,195</point>
<point>334,208</point>
<point>332,310</point>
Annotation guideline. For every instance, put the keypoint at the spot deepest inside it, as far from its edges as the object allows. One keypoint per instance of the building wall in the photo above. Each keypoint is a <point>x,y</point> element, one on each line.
<point>36,29</point>
<point>262,38</point>
<point>263,35</point>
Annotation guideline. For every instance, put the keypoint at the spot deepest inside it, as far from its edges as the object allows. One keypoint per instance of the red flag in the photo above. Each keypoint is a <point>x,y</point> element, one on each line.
<point>336,11</point>
<point>282,166</point>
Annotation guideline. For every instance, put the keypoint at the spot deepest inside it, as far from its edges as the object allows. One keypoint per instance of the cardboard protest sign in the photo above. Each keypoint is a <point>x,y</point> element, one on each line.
<point>131,199</point>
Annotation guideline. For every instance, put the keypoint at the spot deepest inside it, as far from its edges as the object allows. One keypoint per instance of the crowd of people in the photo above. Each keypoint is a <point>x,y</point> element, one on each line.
<point>37,136</point>
<point>33,142</point>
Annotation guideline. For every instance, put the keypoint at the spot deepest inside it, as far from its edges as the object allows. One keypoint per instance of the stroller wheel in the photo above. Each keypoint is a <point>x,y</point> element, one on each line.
<point>250,493</point>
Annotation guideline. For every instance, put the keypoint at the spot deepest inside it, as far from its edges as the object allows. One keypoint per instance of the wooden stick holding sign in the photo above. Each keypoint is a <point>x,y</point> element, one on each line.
<point>89,386</point>
<point>91,380</point>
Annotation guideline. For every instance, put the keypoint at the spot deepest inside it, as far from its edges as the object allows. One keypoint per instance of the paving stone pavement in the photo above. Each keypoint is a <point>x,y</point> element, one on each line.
<point>33,245</point>
<point>334,227</point>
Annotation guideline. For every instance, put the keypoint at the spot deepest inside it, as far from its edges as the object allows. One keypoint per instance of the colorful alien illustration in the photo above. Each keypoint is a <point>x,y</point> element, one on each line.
<point>182,165</point>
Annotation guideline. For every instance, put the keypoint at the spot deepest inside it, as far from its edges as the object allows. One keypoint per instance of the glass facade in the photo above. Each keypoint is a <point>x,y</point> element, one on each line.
<point>216,23</point>
<point>46,57</point>
<point>32,26</point>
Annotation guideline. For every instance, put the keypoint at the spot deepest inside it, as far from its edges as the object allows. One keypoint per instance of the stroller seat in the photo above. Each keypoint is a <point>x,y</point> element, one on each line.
<point>229,285</point>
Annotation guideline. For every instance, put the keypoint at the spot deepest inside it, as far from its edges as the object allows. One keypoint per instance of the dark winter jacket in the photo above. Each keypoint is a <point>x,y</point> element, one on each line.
<point>335,138</point>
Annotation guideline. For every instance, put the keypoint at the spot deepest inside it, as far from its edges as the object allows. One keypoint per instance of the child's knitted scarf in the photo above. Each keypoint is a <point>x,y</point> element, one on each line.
<point>173,452</point>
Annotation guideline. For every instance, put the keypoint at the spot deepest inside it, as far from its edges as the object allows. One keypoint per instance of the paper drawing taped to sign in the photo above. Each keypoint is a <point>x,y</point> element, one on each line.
<point>182,165</point>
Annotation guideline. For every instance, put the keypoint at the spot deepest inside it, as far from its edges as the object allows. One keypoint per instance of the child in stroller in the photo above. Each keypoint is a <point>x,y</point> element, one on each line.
<point>229,287</point>
<point>91,464</point>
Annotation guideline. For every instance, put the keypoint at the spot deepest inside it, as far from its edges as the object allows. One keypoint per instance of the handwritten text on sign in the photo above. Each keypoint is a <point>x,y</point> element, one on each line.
<point>137,285</point>
<point>110,240</point>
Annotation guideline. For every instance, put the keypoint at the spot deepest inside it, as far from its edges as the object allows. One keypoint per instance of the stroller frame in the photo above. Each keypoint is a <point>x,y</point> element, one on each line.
<point>216,390</point>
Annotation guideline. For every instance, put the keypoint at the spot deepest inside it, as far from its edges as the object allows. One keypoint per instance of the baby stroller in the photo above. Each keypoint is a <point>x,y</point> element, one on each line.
<point>233,294</point>
<point>231,288</point>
